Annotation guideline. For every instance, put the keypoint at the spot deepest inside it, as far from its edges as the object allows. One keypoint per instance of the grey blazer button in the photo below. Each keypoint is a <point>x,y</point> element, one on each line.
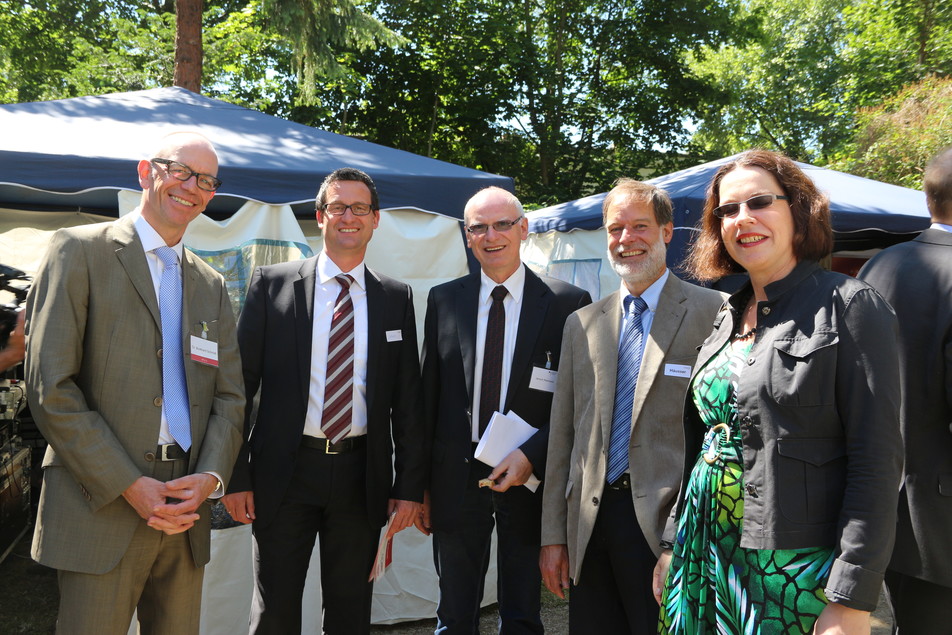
<point>150,456</point>
<point>158,353</point>
<point>751,490</point>
<point>765,310</point>
<point>750,361</point>
<point>157,402</point>
<point>595,501</point>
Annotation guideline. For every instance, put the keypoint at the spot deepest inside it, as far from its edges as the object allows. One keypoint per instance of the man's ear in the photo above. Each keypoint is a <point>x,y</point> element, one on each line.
<point>144,170</point>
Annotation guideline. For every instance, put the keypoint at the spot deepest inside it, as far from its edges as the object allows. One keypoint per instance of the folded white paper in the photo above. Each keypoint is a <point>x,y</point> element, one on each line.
<point>384,552</point>
<point>505,433</point>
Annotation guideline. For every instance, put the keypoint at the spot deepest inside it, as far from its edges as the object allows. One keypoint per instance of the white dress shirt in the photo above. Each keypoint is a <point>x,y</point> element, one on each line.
<point>515,285</point>
<point>942,227</point>
<point>326,290</point>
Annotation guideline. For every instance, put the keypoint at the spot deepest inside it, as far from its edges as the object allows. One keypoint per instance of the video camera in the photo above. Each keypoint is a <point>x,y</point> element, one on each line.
<point>8,312</point>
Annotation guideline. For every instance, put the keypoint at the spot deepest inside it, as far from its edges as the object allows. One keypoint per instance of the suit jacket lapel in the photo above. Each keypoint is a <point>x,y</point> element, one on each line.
<point>467,299</point>
<point>535,302</point>
<point>303,321</point>
<point>664,327</point>
<point>605,345</point>
<point>131,255</point>
<point>376,301</point>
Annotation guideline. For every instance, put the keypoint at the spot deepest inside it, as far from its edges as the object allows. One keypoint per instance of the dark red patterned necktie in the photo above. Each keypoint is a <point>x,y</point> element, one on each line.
<point>339,379</point>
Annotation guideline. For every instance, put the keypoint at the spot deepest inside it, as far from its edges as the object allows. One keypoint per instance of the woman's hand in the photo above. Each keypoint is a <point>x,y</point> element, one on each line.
<point>660,574</point>
<point>837,619</point>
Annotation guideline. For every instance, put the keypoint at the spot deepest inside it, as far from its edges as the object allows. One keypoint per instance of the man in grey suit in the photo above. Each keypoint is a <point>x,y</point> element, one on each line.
<point>132,461</point>
<point>916,279</point>
<point>605,503</point>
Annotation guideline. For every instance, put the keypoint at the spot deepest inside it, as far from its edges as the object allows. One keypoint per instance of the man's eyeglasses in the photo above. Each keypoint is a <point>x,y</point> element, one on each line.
<point>500,226</point>
<point>182,172</point>
<point>338,209</point>
<point>760,201</point>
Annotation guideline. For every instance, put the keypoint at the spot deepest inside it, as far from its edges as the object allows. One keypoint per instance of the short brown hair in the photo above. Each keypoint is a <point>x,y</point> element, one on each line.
<point>708,259</point>
<point>937,184</point>
<point>642,192</point>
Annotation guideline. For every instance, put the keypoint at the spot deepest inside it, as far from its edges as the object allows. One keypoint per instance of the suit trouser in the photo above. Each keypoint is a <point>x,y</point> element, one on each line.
<point>461,557</point>
<point>919,607</point>
<point>157,576</point>
<point>614,593</point>
<point>327,496</point>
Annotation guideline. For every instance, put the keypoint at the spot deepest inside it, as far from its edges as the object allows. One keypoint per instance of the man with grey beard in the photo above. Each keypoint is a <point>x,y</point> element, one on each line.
<point>611,479</point>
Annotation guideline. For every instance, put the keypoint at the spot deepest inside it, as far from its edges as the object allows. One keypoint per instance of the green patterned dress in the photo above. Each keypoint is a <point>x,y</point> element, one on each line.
<point>714,585</point>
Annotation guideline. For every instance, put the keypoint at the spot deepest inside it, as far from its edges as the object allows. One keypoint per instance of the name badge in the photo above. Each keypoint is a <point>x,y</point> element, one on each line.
<point>677,370</point>
<point>204,351</point>
<point>543,379</point>
<point>395,336</point>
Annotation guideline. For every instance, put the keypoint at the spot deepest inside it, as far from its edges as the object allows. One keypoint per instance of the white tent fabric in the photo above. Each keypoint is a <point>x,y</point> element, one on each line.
<point>578,257</point>
<point>421,248</point>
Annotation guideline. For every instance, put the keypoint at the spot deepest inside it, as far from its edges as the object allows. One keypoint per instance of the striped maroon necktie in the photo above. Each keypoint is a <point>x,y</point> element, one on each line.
<point>339,379</point>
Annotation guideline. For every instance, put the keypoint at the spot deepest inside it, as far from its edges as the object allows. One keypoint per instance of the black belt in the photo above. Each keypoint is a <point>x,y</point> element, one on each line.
<point>622,484</point>
<point>171,452</point>
<point>347,444</point>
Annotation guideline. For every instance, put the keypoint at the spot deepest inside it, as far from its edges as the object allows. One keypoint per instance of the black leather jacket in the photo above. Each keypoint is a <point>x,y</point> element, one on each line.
<point>818,406</point>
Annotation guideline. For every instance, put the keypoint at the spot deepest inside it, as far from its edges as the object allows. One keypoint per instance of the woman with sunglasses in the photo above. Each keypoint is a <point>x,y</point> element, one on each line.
<point>787,510</point>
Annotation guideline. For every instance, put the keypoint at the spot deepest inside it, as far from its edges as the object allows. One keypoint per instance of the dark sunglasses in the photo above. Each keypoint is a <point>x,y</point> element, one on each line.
<point>760,201</point>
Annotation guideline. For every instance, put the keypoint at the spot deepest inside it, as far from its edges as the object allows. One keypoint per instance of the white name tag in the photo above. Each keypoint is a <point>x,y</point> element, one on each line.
<point>677,370</point>
<point>204,351</point>
<point>543,379</point>
<point>395,336</point>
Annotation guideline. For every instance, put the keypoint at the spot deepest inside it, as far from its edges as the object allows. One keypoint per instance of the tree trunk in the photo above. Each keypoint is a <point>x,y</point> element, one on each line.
<point>188,44</point>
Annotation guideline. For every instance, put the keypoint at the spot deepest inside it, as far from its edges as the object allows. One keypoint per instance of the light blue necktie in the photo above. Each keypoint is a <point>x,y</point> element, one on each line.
<point>174,390</point>
<point>629,363</point>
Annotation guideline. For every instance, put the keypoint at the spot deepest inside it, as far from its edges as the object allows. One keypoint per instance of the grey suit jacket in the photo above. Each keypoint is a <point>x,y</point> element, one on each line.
<point>580,427</point>
<point>94,383</point>
<point>916,279</point>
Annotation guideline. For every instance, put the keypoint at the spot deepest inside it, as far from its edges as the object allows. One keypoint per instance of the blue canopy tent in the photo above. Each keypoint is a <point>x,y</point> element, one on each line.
<point>75,153</point>
<point>867,214</point>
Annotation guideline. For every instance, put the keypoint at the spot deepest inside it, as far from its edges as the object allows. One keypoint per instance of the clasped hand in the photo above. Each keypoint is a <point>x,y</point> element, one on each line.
<point>149,498</point>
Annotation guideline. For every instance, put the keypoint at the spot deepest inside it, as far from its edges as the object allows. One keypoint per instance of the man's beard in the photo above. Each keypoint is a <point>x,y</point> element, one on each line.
<point>644,272</point>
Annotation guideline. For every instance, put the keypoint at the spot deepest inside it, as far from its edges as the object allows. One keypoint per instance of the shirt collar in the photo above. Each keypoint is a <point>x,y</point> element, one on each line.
<point>941,227</point>
<point>652,294</point>
<point>327,270</point>
<point>150,238</point>
<point>515,284</point>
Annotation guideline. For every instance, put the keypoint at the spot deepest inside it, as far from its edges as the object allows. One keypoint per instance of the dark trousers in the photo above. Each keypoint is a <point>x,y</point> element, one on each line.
<point>327,496</point>
<point>461,556</point>
<point>919,607</point>
<point>614,591</point>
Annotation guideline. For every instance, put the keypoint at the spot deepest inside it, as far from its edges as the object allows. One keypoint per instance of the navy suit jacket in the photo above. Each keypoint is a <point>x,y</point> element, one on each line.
<point>274,335</point>
<point>449,360</point>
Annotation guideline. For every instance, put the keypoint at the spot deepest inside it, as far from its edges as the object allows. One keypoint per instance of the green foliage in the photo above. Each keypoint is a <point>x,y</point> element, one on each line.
<point>897,138</point>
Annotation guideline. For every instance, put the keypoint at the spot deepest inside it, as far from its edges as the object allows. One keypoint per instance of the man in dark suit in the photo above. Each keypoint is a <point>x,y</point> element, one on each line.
<point>916,279</point>
<point>612,478</point>
<point>319,454</point>
<point>110,304</point>
<point>491,343</point>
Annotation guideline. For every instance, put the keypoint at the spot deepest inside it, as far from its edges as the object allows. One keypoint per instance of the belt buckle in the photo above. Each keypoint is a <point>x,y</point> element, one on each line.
<point>713,452</point>
<point>327,447</point>
<point>165,452</point>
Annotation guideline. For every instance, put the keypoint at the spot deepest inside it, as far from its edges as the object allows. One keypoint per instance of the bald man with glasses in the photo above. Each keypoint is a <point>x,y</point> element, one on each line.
<point>492,342</point>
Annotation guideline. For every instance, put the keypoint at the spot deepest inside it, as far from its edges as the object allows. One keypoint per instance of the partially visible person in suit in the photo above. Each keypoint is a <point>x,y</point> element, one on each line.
<point>143,423</point>
<point>15,350</point>
<point>787,509</point>
<point>615,444</point>
<point>916,279</point>
<point>332,346</point>
<point>491,343</point>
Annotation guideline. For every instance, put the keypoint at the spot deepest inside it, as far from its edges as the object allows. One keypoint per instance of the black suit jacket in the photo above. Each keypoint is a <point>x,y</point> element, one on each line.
<point>449,360</point>
<point>916,279</point>
<point>274,335</point>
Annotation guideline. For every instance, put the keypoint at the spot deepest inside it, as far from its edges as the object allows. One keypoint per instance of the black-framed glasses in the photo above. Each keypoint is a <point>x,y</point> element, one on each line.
<point>479,229</point>
<point>338,209</point>
<point>182,172</point>
<point>760,201</point>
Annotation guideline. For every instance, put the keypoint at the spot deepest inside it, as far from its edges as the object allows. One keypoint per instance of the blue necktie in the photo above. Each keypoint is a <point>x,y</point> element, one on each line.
<point>629,363</point>
<point>174,390</point>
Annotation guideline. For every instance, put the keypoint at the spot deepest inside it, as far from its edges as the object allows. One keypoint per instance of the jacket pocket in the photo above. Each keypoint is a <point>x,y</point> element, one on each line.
<point>811,478</point>
<point>803,370</point>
